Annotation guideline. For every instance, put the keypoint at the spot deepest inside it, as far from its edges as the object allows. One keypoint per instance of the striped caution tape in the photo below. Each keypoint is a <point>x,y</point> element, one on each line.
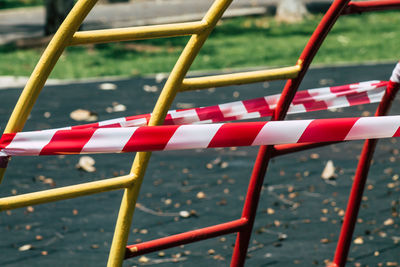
<point>304,101</point>
<point>115,137</point>
<point>176,137</point>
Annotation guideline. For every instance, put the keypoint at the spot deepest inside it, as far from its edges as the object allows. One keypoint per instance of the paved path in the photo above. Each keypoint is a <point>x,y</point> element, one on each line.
<point>134,13</point>
<point>120,15</point>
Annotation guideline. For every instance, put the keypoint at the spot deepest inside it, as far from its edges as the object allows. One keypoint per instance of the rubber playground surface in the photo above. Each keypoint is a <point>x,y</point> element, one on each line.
<point>299,214</point>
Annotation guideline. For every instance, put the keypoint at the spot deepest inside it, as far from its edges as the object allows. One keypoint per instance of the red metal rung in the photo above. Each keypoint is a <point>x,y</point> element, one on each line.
<point>185,238</point>
<point>280,150</point>
<point>368,6</point>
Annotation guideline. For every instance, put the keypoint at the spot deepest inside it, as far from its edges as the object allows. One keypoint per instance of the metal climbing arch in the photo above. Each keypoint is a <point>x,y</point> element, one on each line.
<point>177,82</point>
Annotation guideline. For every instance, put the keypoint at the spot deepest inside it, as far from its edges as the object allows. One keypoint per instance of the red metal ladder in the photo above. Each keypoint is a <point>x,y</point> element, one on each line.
<point>244,225</point>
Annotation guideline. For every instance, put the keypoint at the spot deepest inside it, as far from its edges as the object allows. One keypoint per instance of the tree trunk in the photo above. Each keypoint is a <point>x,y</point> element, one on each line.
<point>291,11</point>
<point>56,12</point>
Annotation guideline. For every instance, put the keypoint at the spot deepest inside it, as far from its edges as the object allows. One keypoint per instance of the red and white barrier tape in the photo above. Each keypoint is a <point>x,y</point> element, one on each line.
<point>175,137</point>
<point>396,74</point>
<point>304,101</point>
<point>118,136</point>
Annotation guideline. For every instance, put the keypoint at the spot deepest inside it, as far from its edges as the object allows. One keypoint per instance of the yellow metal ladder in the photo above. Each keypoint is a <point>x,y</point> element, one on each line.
<point>67,35</point>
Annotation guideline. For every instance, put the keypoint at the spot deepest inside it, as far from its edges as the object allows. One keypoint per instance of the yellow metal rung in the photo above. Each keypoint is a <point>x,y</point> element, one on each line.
<point>66,192</point>
<point>190,84</point>
<point>137,33</point>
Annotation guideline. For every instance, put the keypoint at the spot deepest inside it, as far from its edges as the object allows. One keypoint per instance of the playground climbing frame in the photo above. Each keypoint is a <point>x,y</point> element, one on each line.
<point>199,31</point>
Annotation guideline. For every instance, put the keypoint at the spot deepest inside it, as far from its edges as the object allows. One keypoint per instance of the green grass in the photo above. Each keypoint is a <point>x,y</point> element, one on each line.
<point>235,43</point>
<point>4,4</point>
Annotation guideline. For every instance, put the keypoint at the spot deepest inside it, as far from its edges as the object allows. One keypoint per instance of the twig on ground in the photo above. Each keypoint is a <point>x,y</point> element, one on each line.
<point>156,213</point>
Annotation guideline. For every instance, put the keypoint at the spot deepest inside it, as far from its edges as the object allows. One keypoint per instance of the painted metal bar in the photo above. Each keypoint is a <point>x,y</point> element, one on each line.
<point>185,238</point>
<point>281,150</point>
<point>190,84</point>
<point>265,153</point>
<point>138,33</point>
<point>360,179</point>
<point>251,204</point>
<point>309,52</point>
<point>67,192</point>
<point>174,82</point>
<point>369,6</point>
<point>45,66</point>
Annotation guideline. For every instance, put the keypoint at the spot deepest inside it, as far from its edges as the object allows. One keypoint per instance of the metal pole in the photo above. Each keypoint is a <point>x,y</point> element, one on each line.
<point>360,178</point>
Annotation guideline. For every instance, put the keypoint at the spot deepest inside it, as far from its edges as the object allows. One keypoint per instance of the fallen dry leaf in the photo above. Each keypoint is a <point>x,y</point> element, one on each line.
<point>30,209</point>
<point>224,165</point>
<point>47,114</point>
<point>314,156</point>
<point>201,195</point>
<point>119,108</point>
<point>107,86</point>
<point>218,257</point>
<point>184,214</point>
<point>25,247</point>
<point>211,251</point>
<point>270,211</point>
<point>359,241</point>
<point>150,89</point>
<point>116,107</point>
<point>86,163</point>
<point>329,171</point>
<point>49,181</point>
<point>160,77</point>
<point>324,240</point>
<point>382,234</point>
<point>365,113</point>
<point>341,212</point>
<point>144,259</point>
<point>388,222</point>
<point>83,115</point>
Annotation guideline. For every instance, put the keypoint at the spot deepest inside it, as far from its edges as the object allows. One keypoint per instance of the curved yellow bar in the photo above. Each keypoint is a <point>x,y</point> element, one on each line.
<point>45,66</point>
<point>66,192</point>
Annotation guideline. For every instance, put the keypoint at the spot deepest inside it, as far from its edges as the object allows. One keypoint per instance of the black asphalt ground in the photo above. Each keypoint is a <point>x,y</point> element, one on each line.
<point>298,219</point>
